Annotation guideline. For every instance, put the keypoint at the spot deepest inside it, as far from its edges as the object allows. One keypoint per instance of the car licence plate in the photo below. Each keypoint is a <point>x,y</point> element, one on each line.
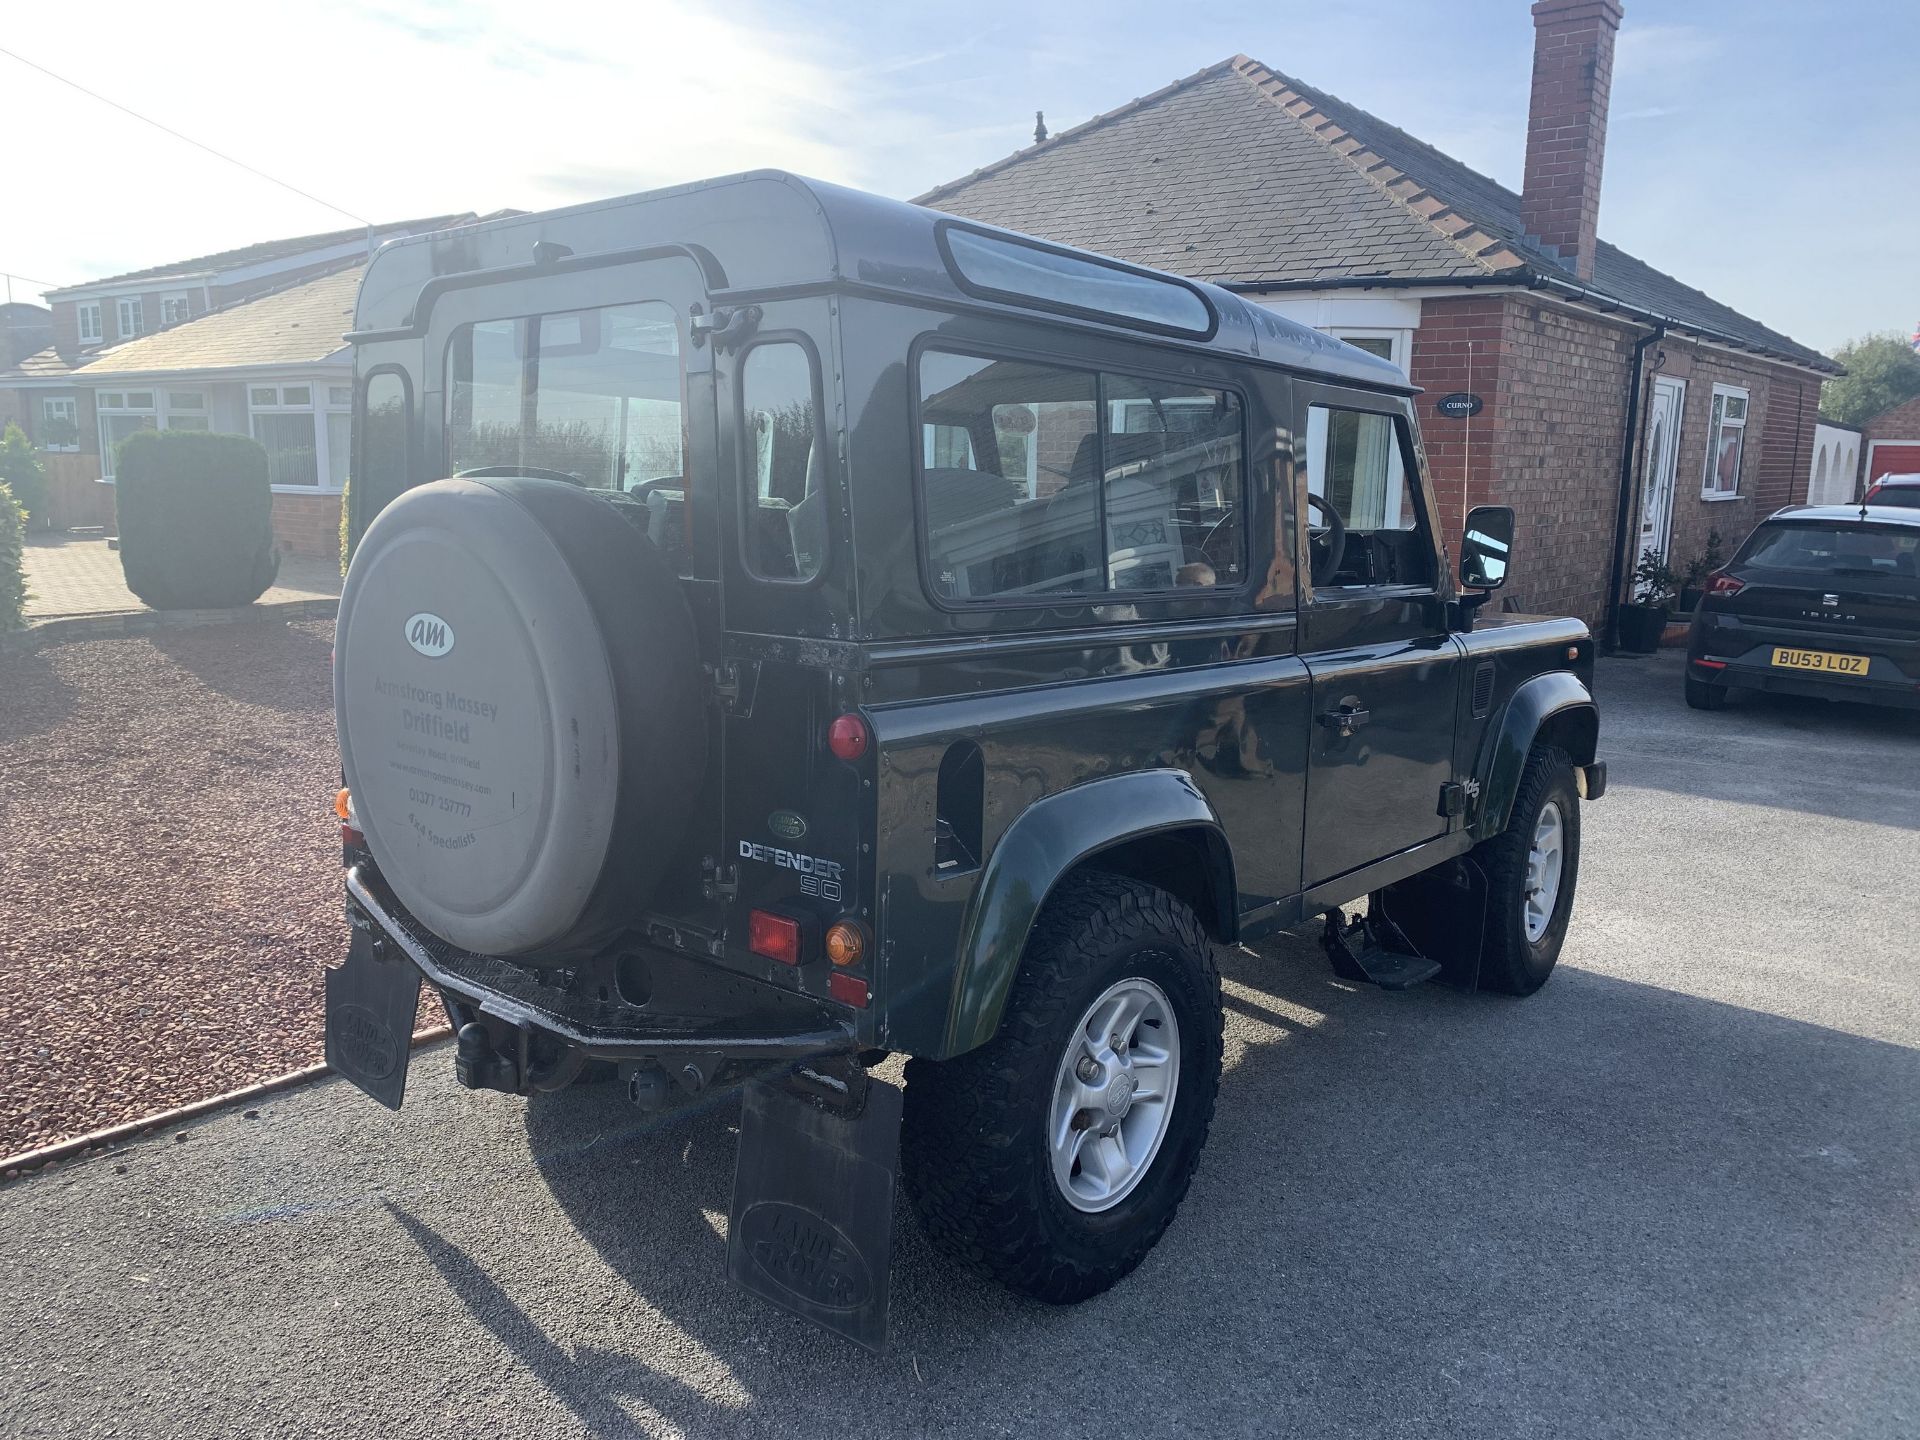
<point>1820,660</point>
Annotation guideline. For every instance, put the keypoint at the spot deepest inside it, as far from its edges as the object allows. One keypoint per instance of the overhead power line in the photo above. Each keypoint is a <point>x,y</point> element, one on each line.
<point>198,145</point>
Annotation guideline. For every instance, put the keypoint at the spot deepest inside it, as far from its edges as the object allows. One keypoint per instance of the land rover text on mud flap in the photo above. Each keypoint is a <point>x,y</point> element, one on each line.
<point>789,627</point>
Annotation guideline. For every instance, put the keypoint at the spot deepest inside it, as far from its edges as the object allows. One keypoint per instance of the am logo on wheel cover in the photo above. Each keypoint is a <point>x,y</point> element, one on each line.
<point>429,634</point>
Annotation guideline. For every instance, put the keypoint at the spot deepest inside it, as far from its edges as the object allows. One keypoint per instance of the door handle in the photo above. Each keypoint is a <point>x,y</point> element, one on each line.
<point>1347,719</point>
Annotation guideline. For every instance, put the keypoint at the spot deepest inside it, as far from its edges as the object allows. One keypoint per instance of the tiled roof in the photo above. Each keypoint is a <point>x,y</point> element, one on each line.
<point>299,324</point>
<point>40,365</point>
<point>1243,176</point>
<point>264,251</point>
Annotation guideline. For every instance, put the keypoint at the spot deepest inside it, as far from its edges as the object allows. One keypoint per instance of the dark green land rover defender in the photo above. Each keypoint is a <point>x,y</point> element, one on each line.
<point>789,628</point>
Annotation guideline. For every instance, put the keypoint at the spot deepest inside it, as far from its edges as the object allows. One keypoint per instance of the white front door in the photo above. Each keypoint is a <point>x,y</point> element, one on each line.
<point>1663,462</point>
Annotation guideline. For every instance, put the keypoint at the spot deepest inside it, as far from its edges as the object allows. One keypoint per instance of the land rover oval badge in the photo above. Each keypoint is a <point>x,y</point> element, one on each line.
<point>787,825</point>
<point>430,635</point>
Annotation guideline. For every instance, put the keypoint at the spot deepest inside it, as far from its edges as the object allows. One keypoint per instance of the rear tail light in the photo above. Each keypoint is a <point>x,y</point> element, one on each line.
<point>1721,583</point>
<point>847,737</point>
<point>349,829</point>
<point>775,936</point>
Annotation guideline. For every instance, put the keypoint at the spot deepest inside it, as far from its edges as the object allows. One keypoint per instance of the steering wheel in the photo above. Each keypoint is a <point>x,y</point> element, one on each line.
<point>1326,544</point>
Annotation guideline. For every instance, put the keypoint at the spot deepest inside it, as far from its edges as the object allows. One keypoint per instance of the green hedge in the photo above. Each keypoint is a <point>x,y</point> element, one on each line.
<point>22,473</point>
<point>13,580</point>
<point>196,518</point>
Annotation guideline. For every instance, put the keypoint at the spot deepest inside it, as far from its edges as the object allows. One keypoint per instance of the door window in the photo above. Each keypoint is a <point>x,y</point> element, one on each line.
<point>381,472</point>
<point>1042,480</point>
<point>784,510</point>
<point>1365,518</point>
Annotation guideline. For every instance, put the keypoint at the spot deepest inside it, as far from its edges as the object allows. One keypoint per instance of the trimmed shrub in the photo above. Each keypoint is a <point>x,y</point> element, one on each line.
<point>22,473</point>
<point>13,580</point>
<point>196,519</point>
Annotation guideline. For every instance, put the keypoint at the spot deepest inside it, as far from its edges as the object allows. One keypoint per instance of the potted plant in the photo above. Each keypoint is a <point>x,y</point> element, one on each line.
<point>1642,619</point>
<point>1698,569</point>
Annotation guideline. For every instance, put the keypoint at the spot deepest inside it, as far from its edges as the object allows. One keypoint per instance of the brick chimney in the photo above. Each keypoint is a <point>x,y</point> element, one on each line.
<point>1567,125</point>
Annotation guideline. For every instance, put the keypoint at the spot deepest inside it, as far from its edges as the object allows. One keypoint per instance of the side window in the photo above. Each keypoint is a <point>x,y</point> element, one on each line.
<point>784,505</point>
<point>1357,470</point>
<point>382,470</point>
<point>1173,457</point>
<point>1042,480</point>
<point>1010,469</point>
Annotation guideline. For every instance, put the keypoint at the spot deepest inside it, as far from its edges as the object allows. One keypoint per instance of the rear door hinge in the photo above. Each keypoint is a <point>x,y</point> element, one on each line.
<point>717,881</point>
<point>728,328</point>
<point>1453,799</point>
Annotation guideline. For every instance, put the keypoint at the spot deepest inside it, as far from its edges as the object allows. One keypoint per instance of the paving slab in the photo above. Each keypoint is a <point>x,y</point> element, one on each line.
<point>70,575</point>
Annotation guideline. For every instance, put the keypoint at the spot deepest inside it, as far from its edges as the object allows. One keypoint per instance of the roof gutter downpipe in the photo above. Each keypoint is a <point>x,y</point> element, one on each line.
<point>1628,446</point>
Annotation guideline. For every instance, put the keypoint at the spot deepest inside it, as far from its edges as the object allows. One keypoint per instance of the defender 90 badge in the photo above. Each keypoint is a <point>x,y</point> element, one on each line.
<point>429,634</point>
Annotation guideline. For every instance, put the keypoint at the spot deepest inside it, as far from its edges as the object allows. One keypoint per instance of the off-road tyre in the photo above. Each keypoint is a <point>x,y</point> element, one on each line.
<point>1702,696</point>
<point>974,1153</point>
<point>1510,963</point>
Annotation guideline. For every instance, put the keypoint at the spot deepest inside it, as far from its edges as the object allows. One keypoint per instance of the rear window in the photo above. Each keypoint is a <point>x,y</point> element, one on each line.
<point>1903,494</point>
<point>1833,550</point>
<point>592,394</point>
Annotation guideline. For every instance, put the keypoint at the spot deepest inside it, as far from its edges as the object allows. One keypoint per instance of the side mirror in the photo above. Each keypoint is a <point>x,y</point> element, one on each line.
<point>1486,548</point>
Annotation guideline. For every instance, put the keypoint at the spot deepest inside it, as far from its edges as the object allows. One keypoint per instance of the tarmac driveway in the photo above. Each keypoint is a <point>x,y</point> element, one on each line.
<point>1674,1194</point>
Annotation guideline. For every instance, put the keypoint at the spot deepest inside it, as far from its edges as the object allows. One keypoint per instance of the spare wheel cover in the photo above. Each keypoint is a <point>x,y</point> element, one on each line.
<point>479,727</point>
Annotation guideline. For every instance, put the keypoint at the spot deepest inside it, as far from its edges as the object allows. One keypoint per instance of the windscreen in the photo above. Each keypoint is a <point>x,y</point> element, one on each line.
<point>1834,550</point>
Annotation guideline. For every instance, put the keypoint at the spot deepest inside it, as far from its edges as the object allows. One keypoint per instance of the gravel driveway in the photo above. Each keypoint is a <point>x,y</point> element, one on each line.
<point>1672,1195</point>
<point>169,870</point>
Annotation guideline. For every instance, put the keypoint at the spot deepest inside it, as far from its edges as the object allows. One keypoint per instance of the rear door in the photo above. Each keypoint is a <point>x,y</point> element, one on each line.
<point>1373,635</point>
<point>589,374</point>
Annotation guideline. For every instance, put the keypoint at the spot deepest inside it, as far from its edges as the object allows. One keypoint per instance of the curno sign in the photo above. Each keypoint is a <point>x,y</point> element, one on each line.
<point>1457,406</point>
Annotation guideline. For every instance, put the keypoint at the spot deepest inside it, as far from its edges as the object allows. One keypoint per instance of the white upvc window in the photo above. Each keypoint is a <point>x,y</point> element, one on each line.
<point>1394,346</point>
<point>305,427</point>
<point>131,311</point>
<point>89,314</point>
<point>174,308</point>
<point>1726,442</point>
<point>59,423</point>
<point>122,412</point>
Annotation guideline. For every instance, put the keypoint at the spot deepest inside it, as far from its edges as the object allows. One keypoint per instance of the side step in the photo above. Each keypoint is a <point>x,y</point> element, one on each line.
<point>1375,951</point>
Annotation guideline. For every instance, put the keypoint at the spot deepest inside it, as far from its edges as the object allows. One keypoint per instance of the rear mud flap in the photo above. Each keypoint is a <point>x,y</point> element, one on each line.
<point>370,1007</point>
<point>812,1224</point>
<point>1443,912</point>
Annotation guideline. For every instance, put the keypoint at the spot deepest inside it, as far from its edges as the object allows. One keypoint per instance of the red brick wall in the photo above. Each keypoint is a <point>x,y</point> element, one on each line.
<point>307,524</point>
<point>1902,422</point>
<point>1547,440</point>
<point>1782,409</point>
<point>1458,347</point>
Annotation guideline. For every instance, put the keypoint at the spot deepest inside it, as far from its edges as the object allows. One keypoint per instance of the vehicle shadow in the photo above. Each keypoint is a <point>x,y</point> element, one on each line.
<point>1610,1208</point>
<point>299,679</point>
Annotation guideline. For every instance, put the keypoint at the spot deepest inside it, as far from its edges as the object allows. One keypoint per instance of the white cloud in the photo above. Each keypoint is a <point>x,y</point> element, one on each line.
<point>391,113</point>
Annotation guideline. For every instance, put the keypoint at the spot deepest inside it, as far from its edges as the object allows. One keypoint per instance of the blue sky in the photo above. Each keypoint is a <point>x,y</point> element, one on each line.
<point>1765,152</point>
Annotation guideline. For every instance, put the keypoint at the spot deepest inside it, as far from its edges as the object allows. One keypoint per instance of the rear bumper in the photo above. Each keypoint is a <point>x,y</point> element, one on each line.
<point>741,1020</point>
<point>1740,656</point>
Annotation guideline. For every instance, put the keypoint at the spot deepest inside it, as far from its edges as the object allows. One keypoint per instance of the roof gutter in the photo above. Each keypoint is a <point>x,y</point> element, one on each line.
<point>1529,278</point>
<point>1636,377</point>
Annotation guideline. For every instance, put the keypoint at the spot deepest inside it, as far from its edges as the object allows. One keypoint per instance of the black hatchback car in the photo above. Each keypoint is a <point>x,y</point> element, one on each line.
<point>1820,600</point>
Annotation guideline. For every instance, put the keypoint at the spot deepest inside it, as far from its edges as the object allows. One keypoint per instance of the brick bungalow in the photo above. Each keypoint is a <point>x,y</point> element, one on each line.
<point>1621,409</point>
<point>246,341</point>
<point>1893,441</point>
